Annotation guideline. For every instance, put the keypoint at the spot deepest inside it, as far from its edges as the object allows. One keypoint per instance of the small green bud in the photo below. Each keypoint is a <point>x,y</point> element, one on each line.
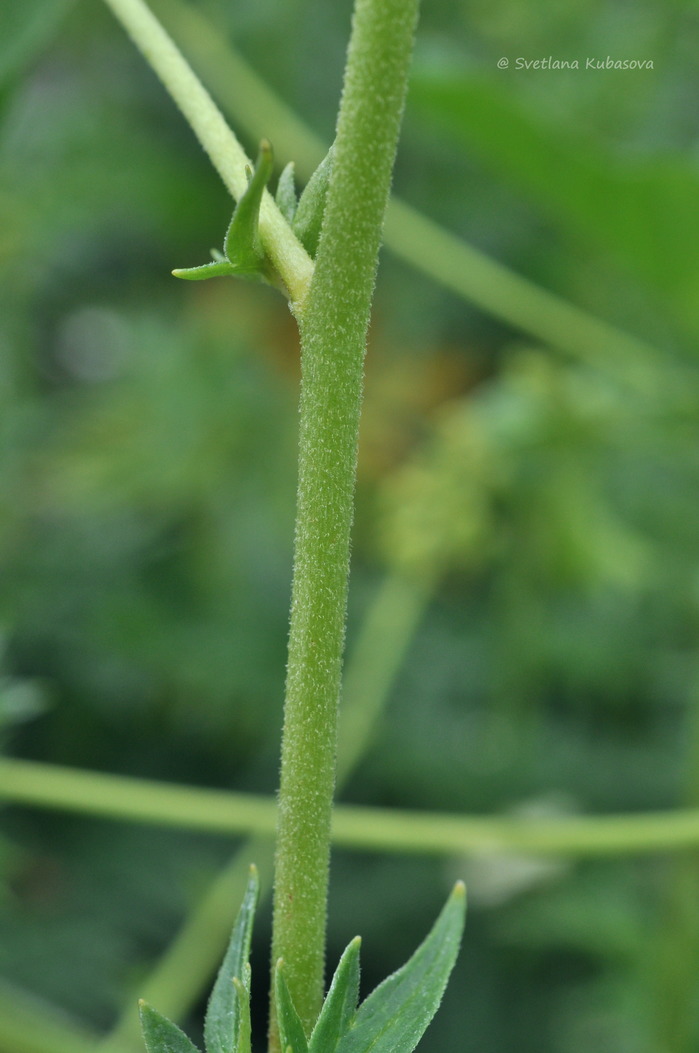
<point>308,217</point>
<point>243,255</point>
<point>286,193</point>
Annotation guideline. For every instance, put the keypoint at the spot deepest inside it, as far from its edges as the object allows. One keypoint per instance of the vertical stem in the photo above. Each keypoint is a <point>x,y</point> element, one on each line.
<point>333,334</point>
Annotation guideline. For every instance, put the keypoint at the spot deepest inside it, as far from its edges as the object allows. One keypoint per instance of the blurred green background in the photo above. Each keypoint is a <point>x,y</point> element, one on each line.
<point>543,496</point>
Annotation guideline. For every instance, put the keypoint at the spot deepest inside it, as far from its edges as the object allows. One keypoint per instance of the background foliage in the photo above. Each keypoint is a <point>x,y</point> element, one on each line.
<point>147,488</point>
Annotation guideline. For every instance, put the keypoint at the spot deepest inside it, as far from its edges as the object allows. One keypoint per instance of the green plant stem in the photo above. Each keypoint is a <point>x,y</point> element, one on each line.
<point>242,92</point>
<point>178,979</point>
<point>182,973</point>
<point>437,253</point>
<point>364,829</point>
<point>333,337</point>
<point>226,154</point>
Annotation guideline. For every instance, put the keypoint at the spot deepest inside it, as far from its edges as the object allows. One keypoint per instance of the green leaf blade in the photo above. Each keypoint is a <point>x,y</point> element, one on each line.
<point>160,1034</point>
<point>242,993</point>
<point>396,1014</point>
<point>223,1015</point>
<point>291,1030</point>
<point>241,246</point>
<point>340,1004</point>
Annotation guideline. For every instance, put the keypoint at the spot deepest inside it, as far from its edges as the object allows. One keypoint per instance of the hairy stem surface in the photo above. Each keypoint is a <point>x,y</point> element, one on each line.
<point>333,333</point>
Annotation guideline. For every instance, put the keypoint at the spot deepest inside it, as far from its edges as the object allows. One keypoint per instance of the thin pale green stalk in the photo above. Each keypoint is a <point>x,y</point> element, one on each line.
<point>137,800</point>
<point>249,101</point>
<point>226,154</point>
<point>363,829</point>
<point>333,334</point>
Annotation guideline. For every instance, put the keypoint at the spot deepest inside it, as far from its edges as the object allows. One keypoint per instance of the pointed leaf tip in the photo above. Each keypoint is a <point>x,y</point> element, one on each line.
<point>216,269</point>
<point>396,1014</point>
<point>226,1012</point>
<point>241,245</point>
<point>291,1030</point>
<point>339,1008</point>
<point>160,1034</point>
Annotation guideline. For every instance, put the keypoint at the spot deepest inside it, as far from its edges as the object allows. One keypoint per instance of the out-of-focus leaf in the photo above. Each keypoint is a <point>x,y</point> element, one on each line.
<point>26,27</point>
<point>641,208</point>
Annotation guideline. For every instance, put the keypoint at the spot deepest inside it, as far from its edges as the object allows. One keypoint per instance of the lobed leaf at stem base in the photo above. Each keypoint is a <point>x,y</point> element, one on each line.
<point>396,1014</point>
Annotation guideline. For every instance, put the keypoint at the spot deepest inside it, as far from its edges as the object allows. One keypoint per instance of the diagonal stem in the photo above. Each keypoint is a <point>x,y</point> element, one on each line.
<point>225,152</point>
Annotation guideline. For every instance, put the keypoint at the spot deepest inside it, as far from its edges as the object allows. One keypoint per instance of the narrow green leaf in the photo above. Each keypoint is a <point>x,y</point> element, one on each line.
<point>308,217</point>
<point>340,1003</point>
<point>394,1017</point>
<point>207,270</point>
<point>286,193</point>
<point>160,1034</point>
<point>242,993</point>
<point>291,1030</point>
<point>223,1017</point>
<point>242,246</point>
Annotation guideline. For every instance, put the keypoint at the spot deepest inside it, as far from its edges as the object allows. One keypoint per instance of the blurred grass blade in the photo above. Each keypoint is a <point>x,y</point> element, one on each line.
<point>29,1024</point>
<point>395,1016</point>
<point>223,1019</point>
<point>638,207</point>
<point>25,28</point>
<point>340,1003</point>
